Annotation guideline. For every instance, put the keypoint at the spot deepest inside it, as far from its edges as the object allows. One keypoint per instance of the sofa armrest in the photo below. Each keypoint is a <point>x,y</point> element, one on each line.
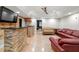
<point>70,48</point>
<point>55,45</point>
<point>69,41</point>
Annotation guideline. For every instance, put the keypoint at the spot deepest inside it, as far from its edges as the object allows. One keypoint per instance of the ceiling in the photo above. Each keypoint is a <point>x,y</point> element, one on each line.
<point>38,13</point>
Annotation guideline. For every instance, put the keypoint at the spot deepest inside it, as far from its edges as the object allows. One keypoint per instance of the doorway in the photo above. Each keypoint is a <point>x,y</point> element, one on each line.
<point>39,24</point>
<point>20,23</point>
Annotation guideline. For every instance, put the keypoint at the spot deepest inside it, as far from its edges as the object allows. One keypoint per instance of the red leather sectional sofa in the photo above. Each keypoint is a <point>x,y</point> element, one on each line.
<point>69,41</point>
<point>68,33</point>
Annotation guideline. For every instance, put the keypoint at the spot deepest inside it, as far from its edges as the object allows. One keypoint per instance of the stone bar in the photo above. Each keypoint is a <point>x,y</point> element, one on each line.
<point>13,39</point>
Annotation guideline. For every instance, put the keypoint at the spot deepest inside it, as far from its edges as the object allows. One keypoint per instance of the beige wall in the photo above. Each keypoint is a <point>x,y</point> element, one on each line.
<point>47,23</point>
<point>53,23</point>
<point>71,22</point>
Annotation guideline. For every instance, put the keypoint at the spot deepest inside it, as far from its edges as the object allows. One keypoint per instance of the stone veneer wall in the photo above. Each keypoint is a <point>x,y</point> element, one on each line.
<point>1,40</point>
<point>14,39</point>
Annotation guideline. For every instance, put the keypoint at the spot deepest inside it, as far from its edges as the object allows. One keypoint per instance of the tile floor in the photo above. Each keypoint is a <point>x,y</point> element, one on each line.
<point>39,43</point>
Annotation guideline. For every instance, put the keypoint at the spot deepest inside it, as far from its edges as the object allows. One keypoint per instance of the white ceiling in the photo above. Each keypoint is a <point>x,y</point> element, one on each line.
<point>37,12</point>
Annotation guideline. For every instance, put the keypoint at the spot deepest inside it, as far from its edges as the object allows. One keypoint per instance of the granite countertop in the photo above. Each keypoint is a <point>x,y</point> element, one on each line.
<point>14,28</point>
<point>18,28</point>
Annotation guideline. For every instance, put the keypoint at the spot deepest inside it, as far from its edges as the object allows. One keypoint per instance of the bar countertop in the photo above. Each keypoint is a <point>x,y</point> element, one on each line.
<point>15,28</point>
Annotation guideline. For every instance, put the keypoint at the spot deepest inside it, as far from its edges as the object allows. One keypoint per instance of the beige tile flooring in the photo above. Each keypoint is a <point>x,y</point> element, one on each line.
<point>39,43</point>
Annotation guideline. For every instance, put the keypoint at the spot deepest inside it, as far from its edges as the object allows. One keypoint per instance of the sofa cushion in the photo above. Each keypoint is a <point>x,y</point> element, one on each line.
<point>68,41</point>
<point>75,33</point>
<point>65,35</point>
<point>63,30</point>
<point>60,30</point>
<point>69,32</point>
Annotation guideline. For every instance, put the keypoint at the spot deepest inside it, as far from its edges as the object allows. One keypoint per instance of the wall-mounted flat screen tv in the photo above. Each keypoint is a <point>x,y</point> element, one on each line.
<point>7,15</point>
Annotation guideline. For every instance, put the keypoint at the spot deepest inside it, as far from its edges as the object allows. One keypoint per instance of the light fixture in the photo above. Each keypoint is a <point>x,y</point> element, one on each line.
<point>18,12</point>
<point>69,13</point>
<point>44,9</point>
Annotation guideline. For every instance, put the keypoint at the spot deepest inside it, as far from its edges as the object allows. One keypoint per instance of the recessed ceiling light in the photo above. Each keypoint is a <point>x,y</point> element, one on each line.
<point>18,12</point>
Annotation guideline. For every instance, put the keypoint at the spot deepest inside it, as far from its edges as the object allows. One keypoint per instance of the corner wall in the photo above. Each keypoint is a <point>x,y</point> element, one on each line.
<point>71,22</point>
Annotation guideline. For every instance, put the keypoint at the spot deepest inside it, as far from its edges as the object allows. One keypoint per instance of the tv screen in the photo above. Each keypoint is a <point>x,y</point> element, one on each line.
<point>7,15</point>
